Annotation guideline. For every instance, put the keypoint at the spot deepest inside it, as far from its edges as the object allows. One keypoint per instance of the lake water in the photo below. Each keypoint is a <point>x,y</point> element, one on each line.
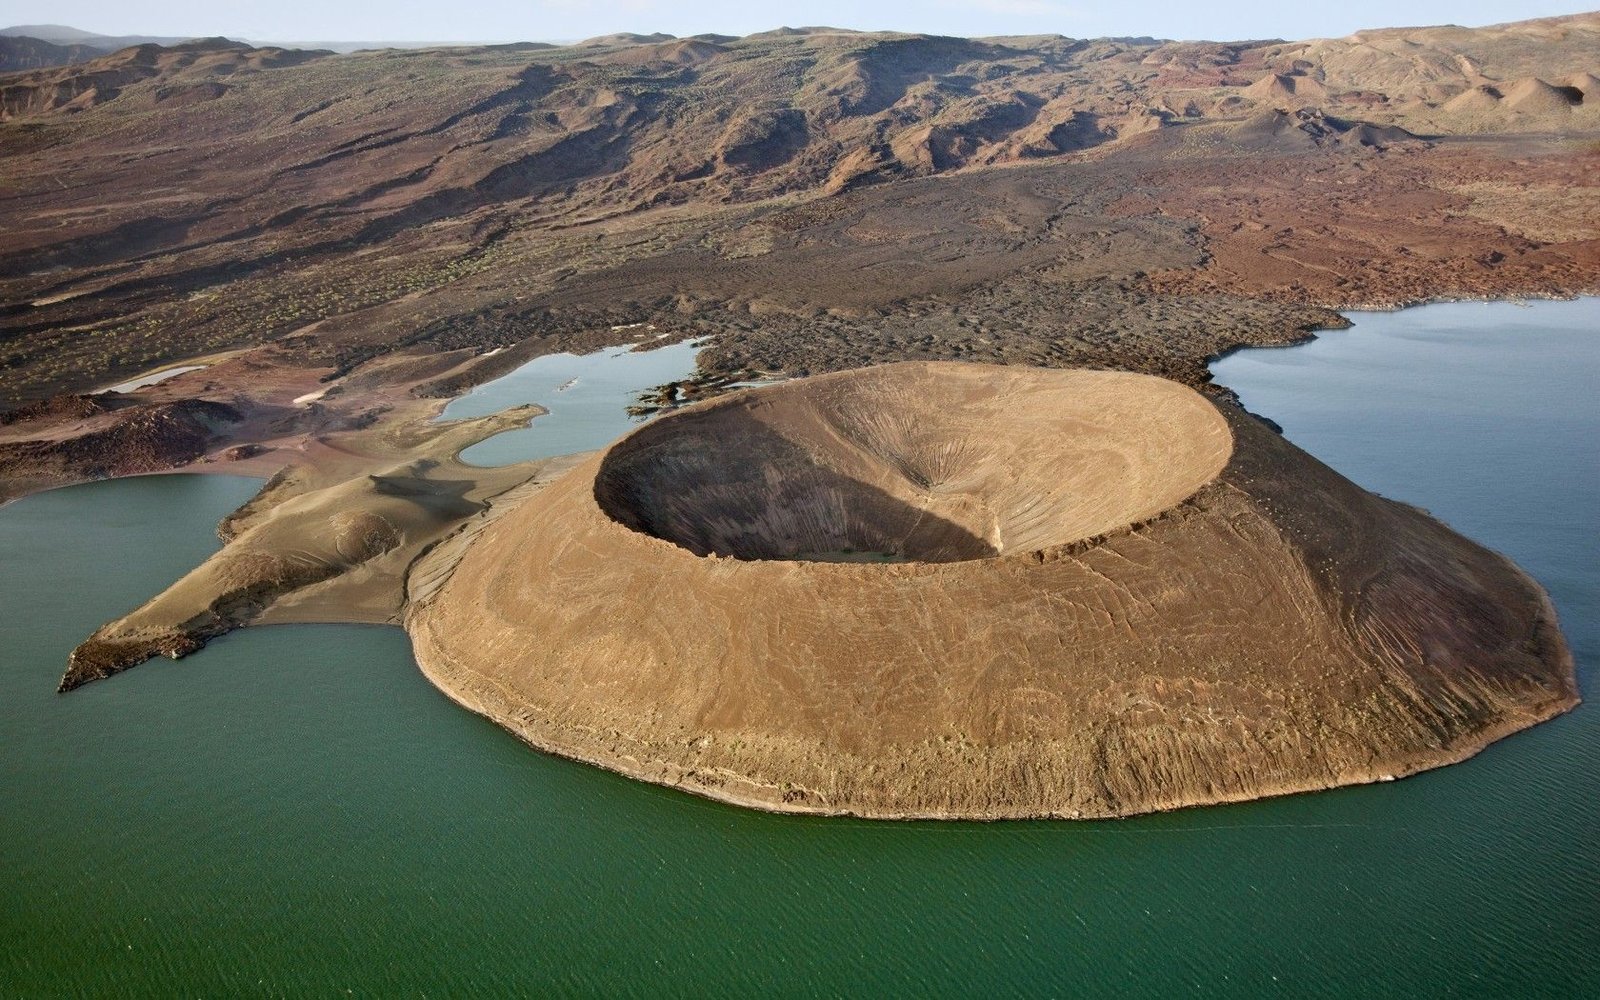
<point>295,811</point>
<point>587,396</point>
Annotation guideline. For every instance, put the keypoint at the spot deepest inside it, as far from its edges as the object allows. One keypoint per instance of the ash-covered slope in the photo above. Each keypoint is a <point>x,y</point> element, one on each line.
<point>1087,594</point>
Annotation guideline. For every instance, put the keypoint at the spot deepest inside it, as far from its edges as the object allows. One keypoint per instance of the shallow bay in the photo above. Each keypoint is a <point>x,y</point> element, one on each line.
<point>587,396</point>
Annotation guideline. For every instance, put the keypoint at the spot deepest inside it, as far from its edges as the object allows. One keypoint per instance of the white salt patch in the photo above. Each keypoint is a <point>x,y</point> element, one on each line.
<point>150,378</point>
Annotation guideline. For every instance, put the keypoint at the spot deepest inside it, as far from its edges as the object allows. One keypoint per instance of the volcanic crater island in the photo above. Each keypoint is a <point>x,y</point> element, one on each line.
<point>1094,594</point>
<point>948,521</point>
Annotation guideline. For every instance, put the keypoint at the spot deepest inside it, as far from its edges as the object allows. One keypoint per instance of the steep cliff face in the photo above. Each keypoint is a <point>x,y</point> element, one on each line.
<point>989,593</point>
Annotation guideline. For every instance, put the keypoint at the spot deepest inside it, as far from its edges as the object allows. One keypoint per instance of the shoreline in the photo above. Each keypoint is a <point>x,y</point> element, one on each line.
<point>505,719</point>
<point>478,695</point>
<point>1312,335</point>
<point>464,373</point>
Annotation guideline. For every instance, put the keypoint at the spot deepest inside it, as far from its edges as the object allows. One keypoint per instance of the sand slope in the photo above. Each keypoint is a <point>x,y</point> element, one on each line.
<point>323,541</point>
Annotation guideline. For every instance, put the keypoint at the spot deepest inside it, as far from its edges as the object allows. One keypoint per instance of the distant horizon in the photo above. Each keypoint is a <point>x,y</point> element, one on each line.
<point>411,23</point>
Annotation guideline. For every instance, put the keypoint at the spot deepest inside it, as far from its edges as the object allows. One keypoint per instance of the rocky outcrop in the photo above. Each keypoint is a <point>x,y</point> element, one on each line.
<point>66,406</point>
<point>946,590</point>
<point>252,583</point>
<point>130,441</point>
<point>1309,128</point>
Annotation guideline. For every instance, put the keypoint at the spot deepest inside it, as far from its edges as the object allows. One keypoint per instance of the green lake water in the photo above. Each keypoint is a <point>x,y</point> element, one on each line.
<point>296,812</point>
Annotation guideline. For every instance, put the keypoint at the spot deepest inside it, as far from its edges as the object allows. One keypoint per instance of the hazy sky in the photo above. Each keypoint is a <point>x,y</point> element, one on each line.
<point>513,20</point>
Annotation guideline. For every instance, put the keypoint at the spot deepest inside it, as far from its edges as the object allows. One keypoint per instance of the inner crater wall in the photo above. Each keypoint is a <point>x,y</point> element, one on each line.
<point>909,465</point>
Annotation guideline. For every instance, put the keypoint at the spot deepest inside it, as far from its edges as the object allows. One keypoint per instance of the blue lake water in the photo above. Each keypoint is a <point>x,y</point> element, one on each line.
<point>295,811</point>
<point>587,396</point>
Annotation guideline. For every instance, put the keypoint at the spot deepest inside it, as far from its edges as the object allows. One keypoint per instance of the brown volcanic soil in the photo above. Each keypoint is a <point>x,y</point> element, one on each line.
<point>1118,598</point>
<point>1115,203</point>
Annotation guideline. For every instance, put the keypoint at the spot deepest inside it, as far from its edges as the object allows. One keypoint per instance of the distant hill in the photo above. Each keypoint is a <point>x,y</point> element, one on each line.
<point>95,44</point>
<point>192,73</point>
<point>58,33</point>
<point>61,34</point>
<point>522,194</point>
<point>40,46</point>
<point>19,52</point>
